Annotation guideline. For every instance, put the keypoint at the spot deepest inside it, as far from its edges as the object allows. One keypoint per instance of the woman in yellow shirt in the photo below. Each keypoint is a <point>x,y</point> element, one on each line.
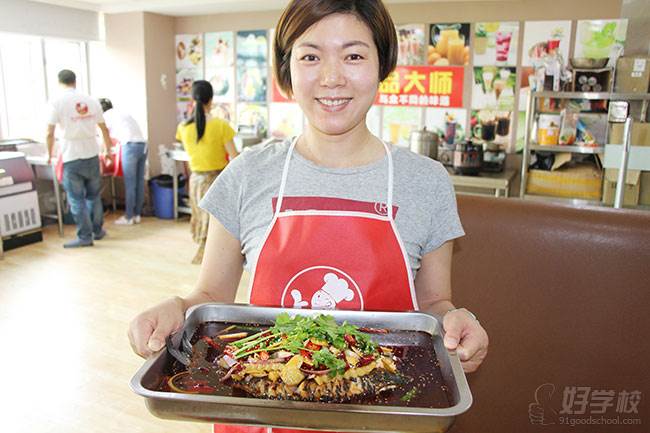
<point>208,142</point>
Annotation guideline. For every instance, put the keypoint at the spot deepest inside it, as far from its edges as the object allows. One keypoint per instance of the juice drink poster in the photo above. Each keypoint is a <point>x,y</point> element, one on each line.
<point>411,45</point>
<point>542,37</point>
<point>449,44</point>
<point>496,43</point>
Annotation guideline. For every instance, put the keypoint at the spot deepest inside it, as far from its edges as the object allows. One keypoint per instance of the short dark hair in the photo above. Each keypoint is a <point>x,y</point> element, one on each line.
<point>106,104</point>
<point>300,15</point>
<point>67,77</point>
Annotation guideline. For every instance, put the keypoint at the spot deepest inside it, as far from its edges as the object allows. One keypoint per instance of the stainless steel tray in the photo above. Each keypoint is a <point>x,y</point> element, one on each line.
<point>306,415</point>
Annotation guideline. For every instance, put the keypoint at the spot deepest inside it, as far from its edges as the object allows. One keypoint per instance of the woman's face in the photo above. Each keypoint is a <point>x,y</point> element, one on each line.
<point>334,73</point>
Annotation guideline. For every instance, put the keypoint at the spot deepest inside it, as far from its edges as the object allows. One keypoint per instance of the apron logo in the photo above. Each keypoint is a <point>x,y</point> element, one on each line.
<point>381,209</point>
<point>322,288</point>
<point>81,108</point>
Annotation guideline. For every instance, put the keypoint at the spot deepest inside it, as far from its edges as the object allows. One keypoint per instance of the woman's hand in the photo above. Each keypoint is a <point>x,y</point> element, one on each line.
<point>465,335</point>
<point>149,329</point>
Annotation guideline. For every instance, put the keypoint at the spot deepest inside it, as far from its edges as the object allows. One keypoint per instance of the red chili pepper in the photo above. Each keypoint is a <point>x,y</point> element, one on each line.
<point>365,360</point>
<point>305,353</point>
<point>350,339</point>
<point>312,346</point>
<point>211,342</point>
<point>264,355</point>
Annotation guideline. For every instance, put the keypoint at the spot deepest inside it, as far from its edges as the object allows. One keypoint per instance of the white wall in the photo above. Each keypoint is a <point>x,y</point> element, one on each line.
<point>20,16</point>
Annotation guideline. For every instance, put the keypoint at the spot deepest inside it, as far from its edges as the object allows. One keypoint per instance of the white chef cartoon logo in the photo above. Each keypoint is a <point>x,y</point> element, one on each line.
<point>322,288</point>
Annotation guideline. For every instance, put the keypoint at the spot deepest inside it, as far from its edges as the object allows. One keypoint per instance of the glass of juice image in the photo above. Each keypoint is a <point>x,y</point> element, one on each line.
<point>447,32</point>
<point>456,50</point>
<point>491,28</point>
<point>503,124</point>
<point>503,41</point>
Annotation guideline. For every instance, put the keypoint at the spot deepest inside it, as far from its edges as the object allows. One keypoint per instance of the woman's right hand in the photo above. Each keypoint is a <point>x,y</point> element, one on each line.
<point>149,329</point>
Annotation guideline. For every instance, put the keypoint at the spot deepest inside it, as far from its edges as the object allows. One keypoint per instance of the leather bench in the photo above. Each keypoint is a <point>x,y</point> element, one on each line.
<point>564,294</point>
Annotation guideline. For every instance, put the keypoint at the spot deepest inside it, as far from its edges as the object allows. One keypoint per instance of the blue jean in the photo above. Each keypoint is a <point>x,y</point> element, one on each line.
<point>82,183</point>
<point>134,156</point>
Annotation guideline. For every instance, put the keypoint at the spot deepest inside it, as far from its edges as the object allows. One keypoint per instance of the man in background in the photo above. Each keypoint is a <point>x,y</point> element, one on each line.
<point>79,115</point>
<point>125,130</point>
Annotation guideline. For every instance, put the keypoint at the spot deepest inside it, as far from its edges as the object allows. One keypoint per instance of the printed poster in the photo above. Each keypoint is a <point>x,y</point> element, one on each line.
<point>494,88</point>
<point>495,43</point>
<point>252,66</point>
<point>254,115</point>
<point>493,127</point>
<point>450,124</point>
<point>189,52</point>
<point>225,111</point>
<point>219,50</point>
<point>398,123</point>
<point>448,44</point>
<point>285,120</point>
<point>411,45</point>
<point>422,86</point>
<point>544,37</point>
<point>600,39</point>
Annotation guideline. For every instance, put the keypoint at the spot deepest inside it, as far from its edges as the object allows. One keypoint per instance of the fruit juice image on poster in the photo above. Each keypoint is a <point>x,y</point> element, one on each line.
<point>411,44</point>
<point>285,120</point>
<point>545,37</point>
<point>493,126</point>
<point>189,52</point>
<point>398,123</point>
<point>599,39</point>
<point>219,50</point>
<point>225,111</point>
<point>495,43</point>
<point>184,80</point>
<point>223,83</point>
<point>526,81</point>
<point>373,120</point>
<point>254,115</point>
<point>494,88</point>
<point>450,124</point>
<point>448,44</point>
<point>252,69</point>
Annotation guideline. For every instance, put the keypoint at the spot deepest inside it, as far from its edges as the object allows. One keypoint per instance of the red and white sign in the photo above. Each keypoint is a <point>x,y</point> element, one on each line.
<point>423,86</point>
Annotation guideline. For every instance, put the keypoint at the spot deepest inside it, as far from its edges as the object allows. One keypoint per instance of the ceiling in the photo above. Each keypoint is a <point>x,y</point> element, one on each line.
<point>190,7</point>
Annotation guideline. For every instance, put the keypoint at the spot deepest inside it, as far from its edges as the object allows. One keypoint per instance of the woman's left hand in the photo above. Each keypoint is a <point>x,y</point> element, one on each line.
<point>465,335</point>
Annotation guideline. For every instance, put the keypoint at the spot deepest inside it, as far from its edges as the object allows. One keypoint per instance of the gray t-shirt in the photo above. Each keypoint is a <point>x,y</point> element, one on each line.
<point>243,196</point>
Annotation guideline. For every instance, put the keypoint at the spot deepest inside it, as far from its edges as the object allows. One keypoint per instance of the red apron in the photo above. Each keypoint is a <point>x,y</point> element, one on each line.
<point>327,253</point>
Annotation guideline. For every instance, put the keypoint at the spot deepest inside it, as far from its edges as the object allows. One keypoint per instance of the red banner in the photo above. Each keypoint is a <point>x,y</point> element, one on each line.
<point>423,86</point>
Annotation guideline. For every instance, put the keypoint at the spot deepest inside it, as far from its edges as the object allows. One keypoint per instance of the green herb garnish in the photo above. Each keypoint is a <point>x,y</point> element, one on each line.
<point>409,395</point>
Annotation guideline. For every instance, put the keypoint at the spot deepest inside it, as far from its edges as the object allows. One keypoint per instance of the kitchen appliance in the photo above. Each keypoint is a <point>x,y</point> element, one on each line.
<point>232,409</point>
<point>468,158</point>
<point>494,157</point>
<point>424,142</point>
<point>20,218</point>
<point>247,135</point>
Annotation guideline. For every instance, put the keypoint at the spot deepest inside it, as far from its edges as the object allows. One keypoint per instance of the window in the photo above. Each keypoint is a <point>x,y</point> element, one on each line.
<point>29,68</point>
<point>23,87</point>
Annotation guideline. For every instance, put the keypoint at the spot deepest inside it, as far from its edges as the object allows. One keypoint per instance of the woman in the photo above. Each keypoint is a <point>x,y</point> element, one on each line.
<point>336,203</point>
<point>207,141</point>
<point>125,130</point>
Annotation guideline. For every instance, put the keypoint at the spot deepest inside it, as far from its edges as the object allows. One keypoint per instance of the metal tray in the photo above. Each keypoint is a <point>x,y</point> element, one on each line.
<point>306,415</point>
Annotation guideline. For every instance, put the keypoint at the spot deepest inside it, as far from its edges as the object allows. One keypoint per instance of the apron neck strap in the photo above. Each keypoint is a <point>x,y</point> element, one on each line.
<point>285,174</point>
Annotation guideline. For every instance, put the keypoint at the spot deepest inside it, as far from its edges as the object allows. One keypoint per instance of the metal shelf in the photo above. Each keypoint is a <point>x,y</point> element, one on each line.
<point>571,149</point>
<point>592,95</point>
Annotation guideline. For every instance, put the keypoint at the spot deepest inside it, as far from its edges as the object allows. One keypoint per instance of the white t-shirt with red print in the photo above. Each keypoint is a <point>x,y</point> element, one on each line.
<point>77,115</point>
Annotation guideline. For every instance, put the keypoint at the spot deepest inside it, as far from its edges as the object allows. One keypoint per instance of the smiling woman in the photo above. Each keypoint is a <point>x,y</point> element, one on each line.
<point>340,219</point>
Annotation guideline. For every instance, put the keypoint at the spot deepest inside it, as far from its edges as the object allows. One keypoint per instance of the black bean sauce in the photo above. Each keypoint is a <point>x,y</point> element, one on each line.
<point>417,361</point>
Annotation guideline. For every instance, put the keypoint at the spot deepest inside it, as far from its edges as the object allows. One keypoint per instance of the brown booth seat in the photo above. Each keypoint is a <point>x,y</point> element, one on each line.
<point>564,294</point>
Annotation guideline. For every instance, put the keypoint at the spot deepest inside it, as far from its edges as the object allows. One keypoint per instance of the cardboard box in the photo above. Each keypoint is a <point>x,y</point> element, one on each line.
<point>644,190</point>
<point>582,181</point>
<point>640,135</point>
<point>632,187</point>
<point>632,75</point>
